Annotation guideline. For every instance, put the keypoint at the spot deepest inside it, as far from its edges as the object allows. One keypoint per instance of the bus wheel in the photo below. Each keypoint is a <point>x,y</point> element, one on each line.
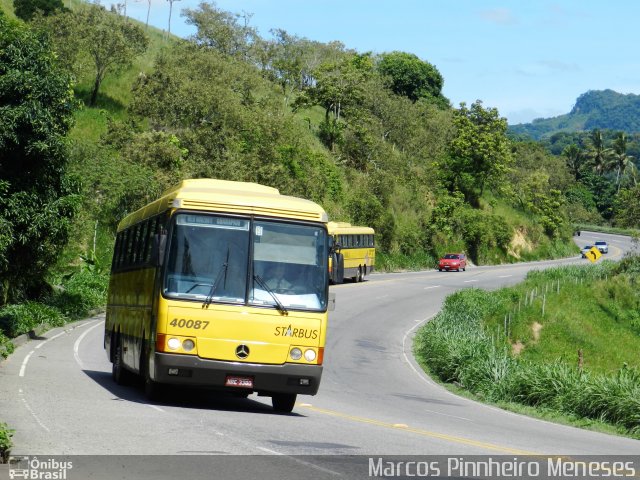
<point>120,374</point>
<point>284,402</point>
<point>152,390</point>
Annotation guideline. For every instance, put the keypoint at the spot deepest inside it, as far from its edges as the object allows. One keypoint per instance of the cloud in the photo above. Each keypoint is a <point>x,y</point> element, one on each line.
<point>500,16</point>
<point>528,115</point>
<point>547,67</point>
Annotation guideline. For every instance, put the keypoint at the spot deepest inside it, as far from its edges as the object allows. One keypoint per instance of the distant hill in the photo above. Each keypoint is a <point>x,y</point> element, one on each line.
<point>603,109</point>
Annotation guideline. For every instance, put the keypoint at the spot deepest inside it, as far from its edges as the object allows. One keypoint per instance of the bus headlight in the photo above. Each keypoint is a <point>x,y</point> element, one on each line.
<point>310,355</point>
<point>176,344</point>
<point>295,353</point>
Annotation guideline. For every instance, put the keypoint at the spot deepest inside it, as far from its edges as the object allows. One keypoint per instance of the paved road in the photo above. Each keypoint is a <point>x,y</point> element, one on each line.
<point>58,394</point>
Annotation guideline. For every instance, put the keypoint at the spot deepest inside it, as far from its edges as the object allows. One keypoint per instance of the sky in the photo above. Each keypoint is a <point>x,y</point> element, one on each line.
<point>527,58</point>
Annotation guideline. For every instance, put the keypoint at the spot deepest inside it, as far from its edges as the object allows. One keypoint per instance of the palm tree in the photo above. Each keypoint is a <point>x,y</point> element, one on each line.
<point>574,159</point>
<point>620,160</point>
<point>598,152</point>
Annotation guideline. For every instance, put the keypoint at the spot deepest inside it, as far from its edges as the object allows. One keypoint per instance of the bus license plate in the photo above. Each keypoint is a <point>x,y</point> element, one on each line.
<point>241,382</point>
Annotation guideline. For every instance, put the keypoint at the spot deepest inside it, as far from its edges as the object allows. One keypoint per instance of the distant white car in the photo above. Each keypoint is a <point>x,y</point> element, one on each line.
<point>602,246</point>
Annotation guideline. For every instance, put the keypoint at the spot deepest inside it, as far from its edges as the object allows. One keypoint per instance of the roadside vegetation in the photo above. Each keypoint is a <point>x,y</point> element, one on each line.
<point>5,442</point>
<point>564,341</point>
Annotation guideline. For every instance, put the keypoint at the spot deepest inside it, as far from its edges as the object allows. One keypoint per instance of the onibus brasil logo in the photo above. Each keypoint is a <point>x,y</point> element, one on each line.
<point>38,469</point>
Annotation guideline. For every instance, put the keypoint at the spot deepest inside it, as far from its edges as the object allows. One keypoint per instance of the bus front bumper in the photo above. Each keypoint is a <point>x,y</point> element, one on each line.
<point>195,371</point>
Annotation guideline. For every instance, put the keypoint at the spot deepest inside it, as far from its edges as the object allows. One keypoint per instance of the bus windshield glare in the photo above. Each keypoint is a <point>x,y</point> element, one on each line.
<point>209,261</point>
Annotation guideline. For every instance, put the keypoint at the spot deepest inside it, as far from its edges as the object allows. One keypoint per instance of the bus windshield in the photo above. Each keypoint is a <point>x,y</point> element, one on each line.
<point>290,262</point>
<point>209,260</point>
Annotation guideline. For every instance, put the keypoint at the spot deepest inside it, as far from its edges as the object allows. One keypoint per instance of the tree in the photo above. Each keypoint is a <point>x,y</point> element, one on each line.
<point>574,159</point>
<point>26,9</point>
<point>338,88</point>
<point>479,153</point>
<point>628,207</point>
<point>598,152</point>
<point>619,159</point>
<point>170,11</point>
<point>91,35</point>
<point>411,77</point>
<point>221,30</point>
<point>37,199</point>
<point>111,42</point>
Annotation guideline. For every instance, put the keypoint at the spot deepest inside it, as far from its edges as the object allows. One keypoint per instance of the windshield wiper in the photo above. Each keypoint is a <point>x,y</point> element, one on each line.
<point>214,286</point>
<point>279,304</point>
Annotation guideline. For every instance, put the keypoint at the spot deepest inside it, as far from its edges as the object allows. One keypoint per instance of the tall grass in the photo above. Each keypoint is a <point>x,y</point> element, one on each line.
<point>465,345</point>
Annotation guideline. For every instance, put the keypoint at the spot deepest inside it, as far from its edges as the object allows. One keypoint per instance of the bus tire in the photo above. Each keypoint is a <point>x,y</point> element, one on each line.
<point>152,390</point>
<point>283,402</point>
<point>119,373</point>
<point>340,268</point>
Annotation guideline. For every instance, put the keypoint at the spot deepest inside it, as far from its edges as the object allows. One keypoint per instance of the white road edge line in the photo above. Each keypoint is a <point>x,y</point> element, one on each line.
<point>470,281</point>
<point>504,276</point>
<point>434,286</point>
<point>76,348</point>
<point>422,377</point>
<point>307,464</point>
<point>30,410</point>
<point>76,345</point>
<point>24,363</point>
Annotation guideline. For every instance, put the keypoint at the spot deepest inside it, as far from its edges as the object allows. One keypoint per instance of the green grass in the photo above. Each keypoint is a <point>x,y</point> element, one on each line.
<point>580,316</point>
<point>543,413</point>
<point>596,310</point>
<point>115,93</point>
<point>633,232</point>
<point>5,442</point>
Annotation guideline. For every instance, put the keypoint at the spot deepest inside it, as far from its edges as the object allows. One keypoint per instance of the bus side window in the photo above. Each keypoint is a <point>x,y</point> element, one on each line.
<point>150,232</point>
<point>142,242</point>
<point>135,254</point>
<point>122,263</point>
<point>116,253</point>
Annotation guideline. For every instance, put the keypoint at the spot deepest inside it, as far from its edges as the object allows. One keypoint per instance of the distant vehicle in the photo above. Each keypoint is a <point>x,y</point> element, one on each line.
<point>585,250</point>
<point>355,252</point>
<point>453,261</point>
<point>602,246</point>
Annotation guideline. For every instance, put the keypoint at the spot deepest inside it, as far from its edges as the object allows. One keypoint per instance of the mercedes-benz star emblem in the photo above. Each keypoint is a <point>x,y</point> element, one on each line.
<point>242,351</point>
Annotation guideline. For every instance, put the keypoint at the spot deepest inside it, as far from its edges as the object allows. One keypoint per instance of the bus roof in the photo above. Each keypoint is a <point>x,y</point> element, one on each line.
<point>230,197</point>
<point>344,228</point>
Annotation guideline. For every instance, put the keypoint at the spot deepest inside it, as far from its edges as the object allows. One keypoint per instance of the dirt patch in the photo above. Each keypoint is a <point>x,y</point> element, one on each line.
<point>519,243</point>
<point>535,329</point>
<point>517,347</point>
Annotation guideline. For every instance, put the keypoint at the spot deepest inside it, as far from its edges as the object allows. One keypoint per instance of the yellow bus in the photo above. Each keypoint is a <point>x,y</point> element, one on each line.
<point>223,285</point>
<point>355,253</point>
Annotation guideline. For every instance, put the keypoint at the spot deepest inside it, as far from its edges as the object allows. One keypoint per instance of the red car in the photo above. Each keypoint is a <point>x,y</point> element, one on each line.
<point>453,261</point>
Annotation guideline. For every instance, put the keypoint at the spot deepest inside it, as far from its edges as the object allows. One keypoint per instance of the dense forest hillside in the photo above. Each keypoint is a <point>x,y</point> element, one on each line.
<point>595,109</point>
<point>369,137</point>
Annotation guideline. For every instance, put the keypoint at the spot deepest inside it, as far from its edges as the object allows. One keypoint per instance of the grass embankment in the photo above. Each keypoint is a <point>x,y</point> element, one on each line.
<point>502,348</point>
<point>75,297</point>
<point>5,442</point>
<point>633,232</point>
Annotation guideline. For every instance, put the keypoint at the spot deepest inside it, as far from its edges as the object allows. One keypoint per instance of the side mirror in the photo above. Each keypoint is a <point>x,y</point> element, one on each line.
<point>158,249</point>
